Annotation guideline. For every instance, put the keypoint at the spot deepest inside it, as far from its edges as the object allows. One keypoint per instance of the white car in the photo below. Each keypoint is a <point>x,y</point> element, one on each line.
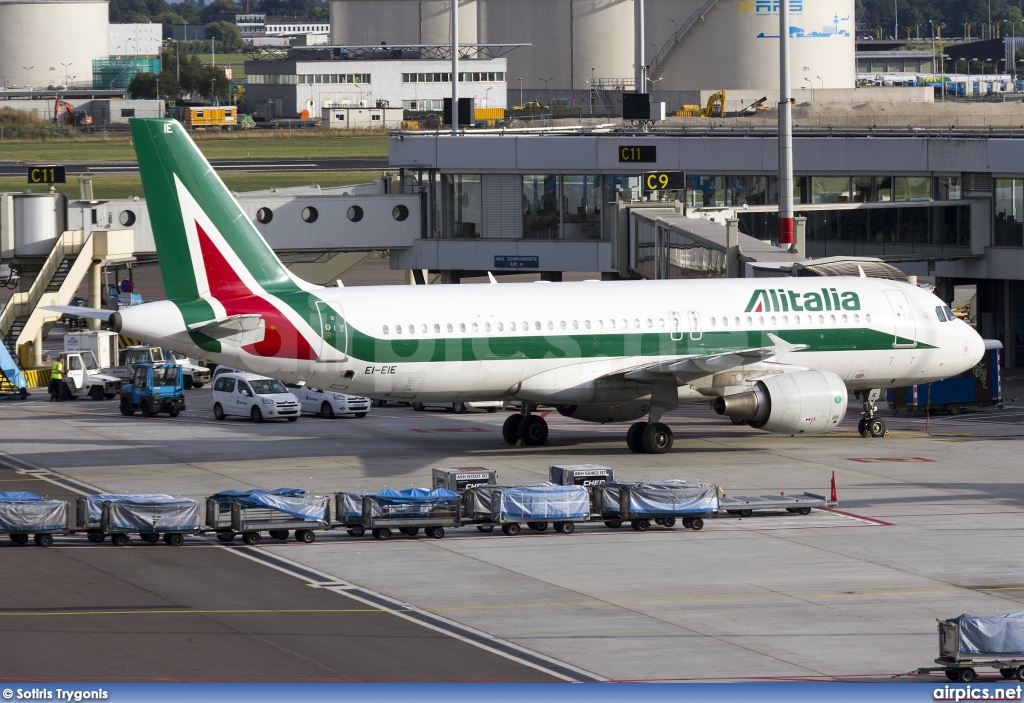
<point>461,406</point>
<point>258,397</point>
<point>328,403</point>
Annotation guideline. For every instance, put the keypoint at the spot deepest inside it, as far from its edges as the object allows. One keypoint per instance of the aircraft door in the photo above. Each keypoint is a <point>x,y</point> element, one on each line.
<point>675,325</point>
<point>903,317</point>
<point>693,318</point>
<point>333,333</point>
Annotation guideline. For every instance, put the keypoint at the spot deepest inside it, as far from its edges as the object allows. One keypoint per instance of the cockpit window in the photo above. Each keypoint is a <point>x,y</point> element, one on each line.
<point>949,314</point>
<point>940,314</point>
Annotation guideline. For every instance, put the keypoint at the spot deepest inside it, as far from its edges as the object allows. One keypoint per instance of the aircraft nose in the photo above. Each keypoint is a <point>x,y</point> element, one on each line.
<point>974,345</point>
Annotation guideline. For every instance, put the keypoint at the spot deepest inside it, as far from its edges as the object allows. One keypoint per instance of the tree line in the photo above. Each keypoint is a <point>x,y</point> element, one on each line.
<point>191,78</point>
<point>948,18</point>
<point>199,12</point>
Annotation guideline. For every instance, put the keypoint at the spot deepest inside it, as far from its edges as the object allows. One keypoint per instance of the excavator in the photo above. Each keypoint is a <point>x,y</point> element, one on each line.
<point>70,117</point>
<point>717,100</point>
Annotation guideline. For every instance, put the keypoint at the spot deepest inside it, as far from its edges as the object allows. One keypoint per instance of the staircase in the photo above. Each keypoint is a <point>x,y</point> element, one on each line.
<point>16,327</point>
<point>63,271</point>
<point>17,320</point>
<point>673,41</point>
<point>59,275</point>
<point>12,380</point>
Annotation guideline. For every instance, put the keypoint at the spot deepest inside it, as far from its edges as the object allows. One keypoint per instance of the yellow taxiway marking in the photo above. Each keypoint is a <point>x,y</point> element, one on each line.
<point>497,606</point>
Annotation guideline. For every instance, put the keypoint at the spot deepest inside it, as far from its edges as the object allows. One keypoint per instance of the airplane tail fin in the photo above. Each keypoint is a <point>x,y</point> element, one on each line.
<point>206,244</point>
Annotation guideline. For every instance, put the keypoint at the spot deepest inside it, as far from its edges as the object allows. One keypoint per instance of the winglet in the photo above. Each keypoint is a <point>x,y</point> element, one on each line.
<point>861,269</point>
<point>782,346</point>
<point>493,280</point>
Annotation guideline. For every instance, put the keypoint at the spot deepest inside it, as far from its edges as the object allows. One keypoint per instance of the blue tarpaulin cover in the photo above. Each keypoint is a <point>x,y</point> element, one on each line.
<point>19,495</point>
<point>21,511</point>
<point>291,501</point>
<point>544,502</point>
<point>992,634</point>
<point>412,502</point>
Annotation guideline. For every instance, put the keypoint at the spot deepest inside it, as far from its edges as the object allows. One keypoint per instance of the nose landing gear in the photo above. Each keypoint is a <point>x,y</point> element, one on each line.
<point>870,425</point>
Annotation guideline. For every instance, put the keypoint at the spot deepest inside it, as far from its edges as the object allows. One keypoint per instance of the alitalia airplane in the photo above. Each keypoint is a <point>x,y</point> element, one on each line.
<point>780,354</point>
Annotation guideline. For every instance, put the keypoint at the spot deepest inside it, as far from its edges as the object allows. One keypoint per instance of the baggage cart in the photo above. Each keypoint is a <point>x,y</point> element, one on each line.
<point>580,474</point>
<point>476,507</point>
<point>348,510</point>
<point>968,643</point>
<point>978,387</point>
<point>662,502</point>
<point>23,513</point>
<point>538,505</point>
<point>149,515</point>
<point>461,479</point>
<point>801,503</point>
<point>406,511</point>
<point>276,512</point>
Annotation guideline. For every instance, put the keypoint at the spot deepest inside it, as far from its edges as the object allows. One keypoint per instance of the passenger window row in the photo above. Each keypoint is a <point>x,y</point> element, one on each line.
<point>760,321</point>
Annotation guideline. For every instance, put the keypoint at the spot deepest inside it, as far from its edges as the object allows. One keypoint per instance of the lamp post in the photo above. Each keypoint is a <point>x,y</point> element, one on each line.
<point>359,86</point>
<point>812,87</point>
<point>520,91</point>
<point>28,76</point>
<point>213,97</point>
<point>652,81</point>
<point>896,21</point>
<point>65,65</point>
<point>158,87</point>
<point>546,81</point>
<point>932,23</point>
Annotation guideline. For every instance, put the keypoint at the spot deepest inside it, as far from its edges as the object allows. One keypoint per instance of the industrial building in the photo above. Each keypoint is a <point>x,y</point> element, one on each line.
<point>42,42</point>
<point>314,79</point>
<point>690,45</point>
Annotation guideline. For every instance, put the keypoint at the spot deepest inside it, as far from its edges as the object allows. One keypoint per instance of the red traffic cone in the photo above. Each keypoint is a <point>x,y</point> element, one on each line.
<point>833,497</point>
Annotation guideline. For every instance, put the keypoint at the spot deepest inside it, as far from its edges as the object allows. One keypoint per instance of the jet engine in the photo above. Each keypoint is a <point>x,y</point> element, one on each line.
<point>605,412</point>
<point>801,402</point>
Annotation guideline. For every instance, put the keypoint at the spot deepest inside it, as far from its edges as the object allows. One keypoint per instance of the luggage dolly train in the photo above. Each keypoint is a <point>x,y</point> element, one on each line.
<point>460,497</point>
<point>971,642</point>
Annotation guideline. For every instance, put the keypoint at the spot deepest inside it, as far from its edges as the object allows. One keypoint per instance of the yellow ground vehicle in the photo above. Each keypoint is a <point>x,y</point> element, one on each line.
<point>226,116</point>
<point>717,100</point>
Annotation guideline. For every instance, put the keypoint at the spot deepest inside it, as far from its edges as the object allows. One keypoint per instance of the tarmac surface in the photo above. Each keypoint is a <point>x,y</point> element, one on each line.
<point>927,527</point>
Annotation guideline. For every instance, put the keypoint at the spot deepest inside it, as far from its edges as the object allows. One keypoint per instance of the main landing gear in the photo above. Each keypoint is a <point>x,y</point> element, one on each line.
<point>530,429</point>
<point>869,424</point>
<point>649,438</point>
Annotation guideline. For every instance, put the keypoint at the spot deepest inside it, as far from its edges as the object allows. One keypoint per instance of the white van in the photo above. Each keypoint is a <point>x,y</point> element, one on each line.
<point>258,397</point>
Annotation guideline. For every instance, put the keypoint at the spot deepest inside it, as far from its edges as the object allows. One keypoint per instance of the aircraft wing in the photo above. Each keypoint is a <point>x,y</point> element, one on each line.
<point>696,366</point>
<point>239,329</point>
<point>95,313</point>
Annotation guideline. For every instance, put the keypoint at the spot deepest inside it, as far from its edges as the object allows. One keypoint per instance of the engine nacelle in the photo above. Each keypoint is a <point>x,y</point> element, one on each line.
<point>605,412</point>
<point>803,402</point>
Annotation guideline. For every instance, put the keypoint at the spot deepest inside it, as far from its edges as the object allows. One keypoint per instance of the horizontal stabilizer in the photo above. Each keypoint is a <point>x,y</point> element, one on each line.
<point>239,329</point>
<point>94,313</point>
